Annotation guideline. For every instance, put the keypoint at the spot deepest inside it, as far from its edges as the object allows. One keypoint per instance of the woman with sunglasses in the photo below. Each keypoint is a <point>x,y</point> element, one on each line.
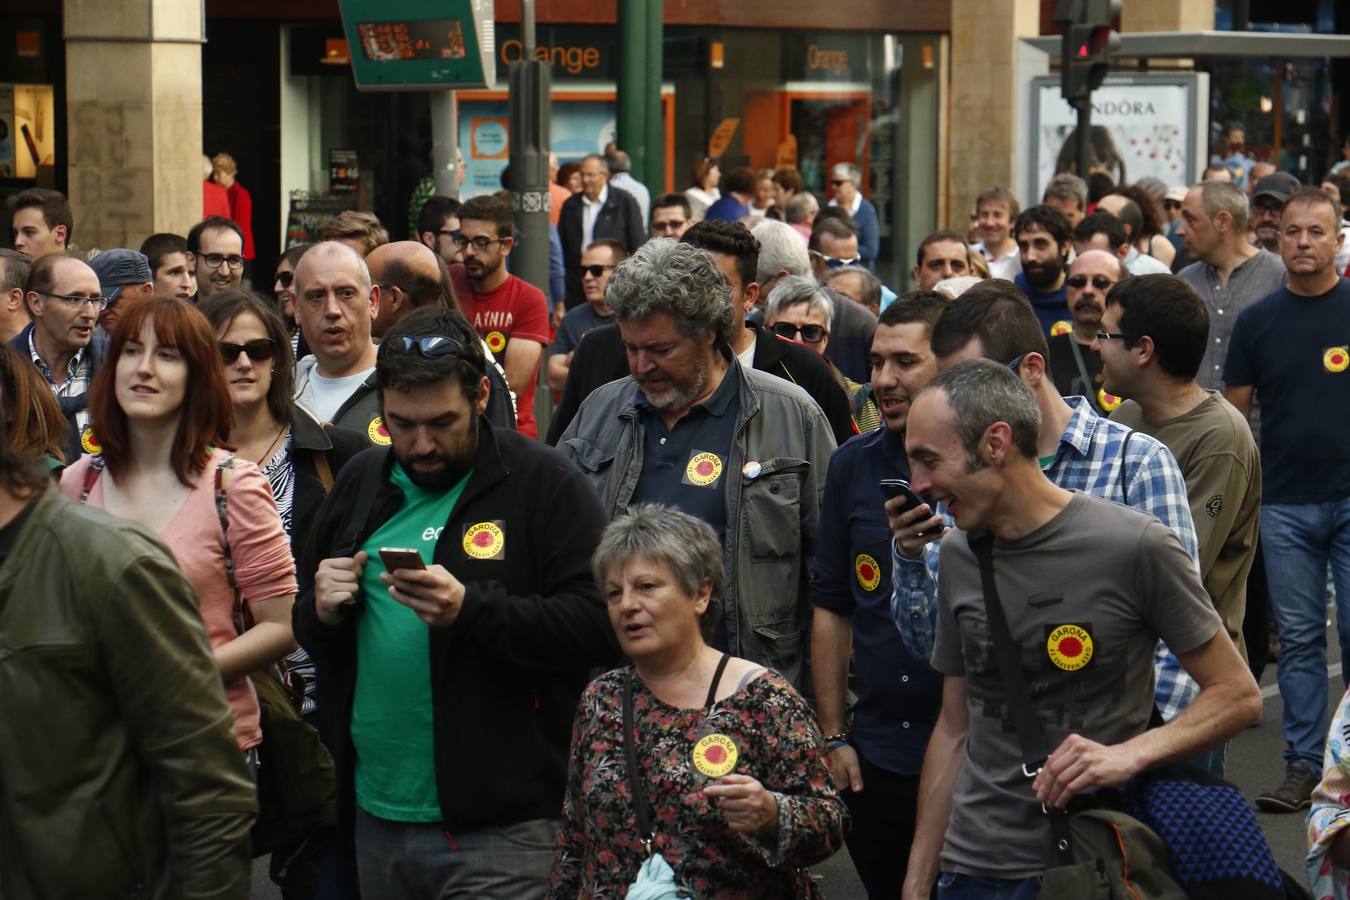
<point>162,464</point>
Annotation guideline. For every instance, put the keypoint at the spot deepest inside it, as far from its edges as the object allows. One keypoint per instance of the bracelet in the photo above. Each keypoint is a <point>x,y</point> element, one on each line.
<point>834,741</point>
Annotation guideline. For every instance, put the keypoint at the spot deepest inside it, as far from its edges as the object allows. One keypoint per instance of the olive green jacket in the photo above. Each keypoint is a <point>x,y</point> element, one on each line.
<point>119,770</point>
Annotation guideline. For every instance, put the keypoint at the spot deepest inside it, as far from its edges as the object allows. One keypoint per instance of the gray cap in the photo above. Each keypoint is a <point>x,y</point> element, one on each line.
<point>1278,185</point>
<point>118,268</point>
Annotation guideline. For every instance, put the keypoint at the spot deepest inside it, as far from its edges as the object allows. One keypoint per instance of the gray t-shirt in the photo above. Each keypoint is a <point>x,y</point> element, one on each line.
<point>1087,595</point>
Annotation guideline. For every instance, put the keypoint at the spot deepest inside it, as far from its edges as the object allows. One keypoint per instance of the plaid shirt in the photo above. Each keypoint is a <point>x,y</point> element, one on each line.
<point>1089,459</point>
<point>77,377</point>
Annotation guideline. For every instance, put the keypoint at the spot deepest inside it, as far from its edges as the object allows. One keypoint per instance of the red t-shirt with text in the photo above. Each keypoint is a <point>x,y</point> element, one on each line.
<point>516,310</point>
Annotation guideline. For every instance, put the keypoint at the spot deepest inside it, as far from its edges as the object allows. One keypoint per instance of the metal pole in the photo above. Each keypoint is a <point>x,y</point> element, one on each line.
<point>444,143</point>
<point>632,83</point>
<point>1084,136</point>
<point>654,130</point>
<point>528,106</point>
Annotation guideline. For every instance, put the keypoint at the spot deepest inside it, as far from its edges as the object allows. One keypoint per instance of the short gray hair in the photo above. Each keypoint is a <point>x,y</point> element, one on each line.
<point>1067,186</point>
<point>681,280</point>
<point>871,284</point>
<point>688,547</point>
<point>982,392</point>
<point>1224,196</point>
<point>16,266</point>
<point>799,206</point>
<point>781,249</point>
<point>794,289</point>
<point>847,170</point>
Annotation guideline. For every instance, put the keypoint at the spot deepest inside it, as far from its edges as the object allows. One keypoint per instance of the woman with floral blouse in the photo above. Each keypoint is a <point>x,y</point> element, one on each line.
<point>1328,863</point>
<point>730,760</point>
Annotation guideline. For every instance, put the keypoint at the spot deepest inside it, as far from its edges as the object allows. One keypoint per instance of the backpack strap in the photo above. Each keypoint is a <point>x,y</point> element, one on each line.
<point>1124,482</point>
<point>96,466</point>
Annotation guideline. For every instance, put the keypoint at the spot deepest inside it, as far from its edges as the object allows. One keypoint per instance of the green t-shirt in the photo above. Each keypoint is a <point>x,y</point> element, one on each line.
<point>391,714</point>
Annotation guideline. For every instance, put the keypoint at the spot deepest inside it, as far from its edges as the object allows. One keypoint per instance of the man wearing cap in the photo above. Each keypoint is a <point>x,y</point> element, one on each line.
<point>122,275</point>
<point>1268,200</point>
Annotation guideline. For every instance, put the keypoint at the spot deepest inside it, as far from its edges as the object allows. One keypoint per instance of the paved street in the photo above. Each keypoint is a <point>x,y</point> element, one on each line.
<point>1253,765</point>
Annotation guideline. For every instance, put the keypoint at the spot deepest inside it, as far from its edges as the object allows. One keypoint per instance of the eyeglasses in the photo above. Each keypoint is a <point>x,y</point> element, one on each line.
<point>811,334</point>
<point>216,260</point>
<point>100,303</point>
<point>260,350</point>
<point>836,182</point>
<point>595,271</point>
<point>1100,282</point>
<point>835,262</point>
<point>285,279</point>
<point>1114,336</point>
<point>1016,361</point>
<point>431,346</point>
<point>480,243</point>
<point>667,227</point>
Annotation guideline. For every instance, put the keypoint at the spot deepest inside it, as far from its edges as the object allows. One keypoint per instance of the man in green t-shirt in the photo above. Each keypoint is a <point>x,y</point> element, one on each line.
<point>447,691</point>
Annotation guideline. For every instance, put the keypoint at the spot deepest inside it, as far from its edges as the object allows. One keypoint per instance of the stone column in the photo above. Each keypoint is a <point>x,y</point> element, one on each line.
<point>134,118</point>
<point>1167,15</point>
<point>984,97</point>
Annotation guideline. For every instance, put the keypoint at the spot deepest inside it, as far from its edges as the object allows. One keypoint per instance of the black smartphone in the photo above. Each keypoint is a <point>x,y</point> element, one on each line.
<point>899,487</point>
<point>395,558</point>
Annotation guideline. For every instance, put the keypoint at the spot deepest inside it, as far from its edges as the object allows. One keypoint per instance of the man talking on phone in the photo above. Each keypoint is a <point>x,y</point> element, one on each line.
<point>448,685</point>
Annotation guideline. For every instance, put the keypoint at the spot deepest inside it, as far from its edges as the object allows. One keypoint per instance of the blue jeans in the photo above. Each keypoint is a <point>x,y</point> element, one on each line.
<point>416,861</point>
<point>1299,541</point>
<point>953,886</point>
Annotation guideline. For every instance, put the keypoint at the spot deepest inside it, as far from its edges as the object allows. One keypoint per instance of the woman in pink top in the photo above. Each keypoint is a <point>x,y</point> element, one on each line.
<point>158,465</point>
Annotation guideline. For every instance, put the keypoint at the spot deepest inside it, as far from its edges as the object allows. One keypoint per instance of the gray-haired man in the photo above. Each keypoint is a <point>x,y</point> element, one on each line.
<point>690,427</point>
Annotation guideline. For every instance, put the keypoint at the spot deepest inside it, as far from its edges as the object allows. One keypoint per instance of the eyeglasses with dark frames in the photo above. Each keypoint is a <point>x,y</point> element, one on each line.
<point>1100,282</point>
<point>259,350</point>
<point>595,271</point>
<point>480,243</point>
<point>810,334</point>
<point>216,260</point>
<point>1114,336</point>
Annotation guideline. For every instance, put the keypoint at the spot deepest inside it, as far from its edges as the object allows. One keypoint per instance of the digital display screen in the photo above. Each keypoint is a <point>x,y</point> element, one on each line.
<point>424,39</point>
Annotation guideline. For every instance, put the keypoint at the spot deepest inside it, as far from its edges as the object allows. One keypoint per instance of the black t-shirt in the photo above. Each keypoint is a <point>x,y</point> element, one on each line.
<point>9,534</point>
<point>1295,351</point>
<point>1069,379</point>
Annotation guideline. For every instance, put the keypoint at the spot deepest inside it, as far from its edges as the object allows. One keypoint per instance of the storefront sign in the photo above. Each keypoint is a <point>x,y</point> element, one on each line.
<point>344,171</point>
<point>824,57</point>
<point>572,52</point>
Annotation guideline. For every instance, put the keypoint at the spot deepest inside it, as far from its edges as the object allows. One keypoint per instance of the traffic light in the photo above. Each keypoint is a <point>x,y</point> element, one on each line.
<point>1089,43</point>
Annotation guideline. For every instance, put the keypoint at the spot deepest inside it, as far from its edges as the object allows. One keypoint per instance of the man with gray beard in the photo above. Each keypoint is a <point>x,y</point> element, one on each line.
<point>690,427</point>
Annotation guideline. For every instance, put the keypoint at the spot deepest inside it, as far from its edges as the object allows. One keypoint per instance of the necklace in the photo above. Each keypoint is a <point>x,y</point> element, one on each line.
<point>262,460</point>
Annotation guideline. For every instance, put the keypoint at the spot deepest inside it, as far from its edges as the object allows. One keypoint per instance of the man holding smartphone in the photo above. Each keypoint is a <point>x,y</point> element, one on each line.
<point>448,684</point>
<point>875,761</point>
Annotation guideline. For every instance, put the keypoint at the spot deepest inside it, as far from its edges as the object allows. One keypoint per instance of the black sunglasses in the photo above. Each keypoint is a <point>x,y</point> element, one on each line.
<point>1100,282</point>
<point>811,334</point>
<point>260,350</point>
<point>595,271</point>
<point>286,278</point>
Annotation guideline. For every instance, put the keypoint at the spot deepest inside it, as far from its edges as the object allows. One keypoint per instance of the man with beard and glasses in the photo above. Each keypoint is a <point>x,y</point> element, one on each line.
<point>447,686</point>
<point>743,450</point>
<point>1076,365</point>
<point>1044,239</point>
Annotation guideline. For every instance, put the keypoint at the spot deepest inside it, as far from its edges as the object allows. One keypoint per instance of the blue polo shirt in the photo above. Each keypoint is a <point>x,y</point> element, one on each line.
<point>898,696</point>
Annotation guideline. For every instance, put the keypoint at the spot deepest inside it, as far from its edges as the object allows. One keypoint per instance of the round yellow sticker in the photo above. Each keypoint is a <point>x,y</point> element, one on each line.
<point>1060,327</point>
<point>378,434</point>
<point>715,755</point>
<point>1107,402</point>
<point>703,469</point>
<point>1336,359</point>
<point>484,540</point>
<point>89,443</point>
<point>1070,647</point>
<point>496,341</point>
<point>868,572</point>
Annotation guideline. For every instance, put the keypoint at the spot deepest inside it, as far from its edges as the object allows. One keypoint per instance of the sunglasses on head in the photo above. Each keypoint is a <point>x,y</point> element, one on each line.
<point>260,350</point>
<point>810,334</point>
<point>1100,282</point>
<point>432,346</point>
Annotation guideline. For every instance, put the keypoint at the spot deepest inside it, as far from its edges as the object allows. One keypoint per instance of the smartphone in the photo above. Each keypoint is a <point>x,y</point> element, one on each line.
<point>899,487</point>
<point>395,558</point>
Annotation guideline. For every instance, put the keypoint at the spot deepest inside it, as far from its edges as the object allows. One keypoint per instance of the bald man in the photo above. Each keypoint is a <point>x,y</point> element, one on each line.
<point>1076,367</point>
<point>409,276</point>
<point>337,304</point>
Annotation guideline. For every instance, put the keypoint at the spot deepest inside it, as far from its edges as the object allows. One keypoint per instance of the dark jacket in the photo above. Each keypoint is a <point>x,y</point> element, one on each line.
<point>600,359</point>
<point>507,675</point>
<point>619,218</point>
<point>118,762</point>
<point>70,406</point>
<point>311,443</point>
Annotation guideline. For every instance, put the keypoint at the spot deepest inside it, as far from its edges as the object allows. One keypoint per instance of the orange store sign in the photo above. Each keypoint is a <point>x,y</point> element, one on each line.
<point>572,60</point>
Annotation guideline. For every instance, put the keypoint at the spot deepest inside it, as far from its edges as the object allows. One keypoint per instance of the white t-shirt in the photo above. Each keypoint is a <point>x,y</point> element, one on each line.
<point>324,396</point>
<point>747,358</point>
<point>1008,266</point>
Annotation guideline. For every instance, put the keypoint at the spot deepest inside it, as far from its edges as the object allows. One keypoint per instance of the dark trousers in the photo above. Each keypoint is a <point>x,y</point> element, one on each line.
<point>1256,619</point>
<point>883,828</point>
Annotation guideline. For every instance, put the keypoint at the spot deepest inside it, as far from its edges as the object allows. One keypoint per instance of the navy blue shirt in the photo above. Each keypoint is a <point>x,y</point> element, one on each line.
<point>1296,352</point>
<point>727,209</point>
<point>898,696</point>
<point>1050,308</point>
<point>575,323</point>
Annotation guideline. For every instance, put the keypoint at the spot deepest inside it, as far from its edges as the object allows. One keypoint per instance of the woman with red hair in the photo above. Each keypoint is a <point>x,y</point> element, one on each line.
<point>161,463</point>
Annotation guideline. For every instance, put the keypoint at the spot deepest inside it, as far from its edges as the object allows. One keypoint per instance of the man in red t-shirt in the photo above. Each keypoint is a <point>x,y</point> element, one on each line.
<point>509,313</point>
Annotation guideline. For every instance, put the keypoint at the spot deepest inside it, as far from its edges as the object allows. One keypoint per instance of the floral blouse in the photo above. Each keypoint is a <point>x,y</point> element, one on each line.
<point>1330,812</point>
<point>778,743</point>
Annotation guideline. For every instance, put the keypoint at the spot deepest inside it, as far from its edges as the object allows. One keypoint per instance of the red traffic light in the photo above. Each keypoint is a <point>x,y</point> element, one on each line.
<point>1082,51</point>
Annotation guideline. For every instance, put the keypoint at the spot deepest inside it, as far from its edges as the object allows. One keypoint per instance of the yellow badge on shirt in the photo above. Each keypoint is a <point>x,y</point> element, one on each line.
<point>378,434</point>
<point>868,572</point>
<point>715,755</point>
<point>1107,402</point>
<point>485,540</point>
<point>1060,327</point>
<point>89,443</point>
<point>703,469</point>
<point>496,341</point>
<point>1069,647</point>
<point>1336,359</point>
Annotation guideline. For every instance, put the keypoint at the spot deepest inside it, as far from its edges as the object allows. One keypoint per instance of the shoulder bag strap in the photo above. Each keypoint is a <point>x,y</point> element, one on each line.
<point>324,471</point>
<point>91,474</point>
<point>241,623</point>
<point>716,679</point>
<point>1082,369</point>
<point>1124,455</point>
<point>644,818</point>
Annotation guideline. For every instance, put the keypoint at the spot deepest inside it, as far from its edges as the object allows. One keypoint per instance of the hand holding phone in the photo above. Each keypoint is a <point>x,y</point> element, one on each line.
<point>913,521</point>
<point>899,487</point>
<point>395,558</point>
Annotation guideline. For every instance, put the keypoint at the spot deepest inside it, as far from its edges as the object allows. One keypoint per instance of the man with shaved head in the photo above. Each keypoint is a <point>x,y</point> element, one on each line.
<point>337,304</point>
<point>1076,367</point>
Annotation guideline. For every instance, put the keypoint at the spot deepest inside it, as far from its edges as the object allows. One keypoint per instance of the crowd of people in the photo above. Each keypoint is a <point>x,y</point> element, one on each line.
<point>727,609</point>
